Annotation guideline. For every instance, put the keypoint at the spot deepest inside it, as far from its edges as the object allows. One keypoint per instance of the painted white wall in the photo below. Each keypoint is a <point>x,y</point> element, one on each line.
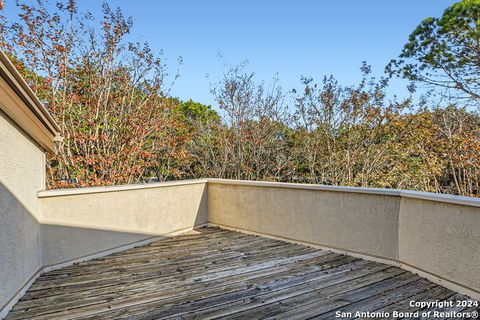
<point>22,175</point>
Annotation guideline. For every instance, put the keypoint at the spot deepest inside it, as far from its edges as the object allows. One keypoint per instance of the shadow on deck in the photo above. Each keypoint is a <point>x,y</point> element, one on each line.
<point>214,273</point>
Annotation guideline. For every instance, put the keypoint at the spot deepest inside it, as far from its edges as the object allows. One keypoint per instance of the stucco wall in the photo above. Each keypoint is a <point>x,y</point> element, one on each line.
<point>441,238</point>
<point>356,222</point>
<point>98,219</point>
<point>22,167</point>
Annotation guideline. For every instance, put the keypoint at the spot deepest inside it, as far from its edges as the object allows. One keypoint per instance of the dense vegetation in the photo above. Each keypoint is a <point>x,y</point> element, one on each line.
<point>120,125</point>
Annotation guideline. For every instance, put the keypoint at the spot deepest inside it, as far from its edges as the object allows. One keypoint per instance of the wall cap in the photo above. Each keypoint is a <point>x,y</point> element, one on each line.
<point>436,197</point>
<point>430,196</point>
<point>126,187</point>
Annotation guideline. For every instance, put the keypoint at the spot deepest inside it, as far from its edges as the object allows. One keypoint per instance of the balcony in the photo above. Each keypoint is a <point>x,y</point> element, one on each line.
<point>214,248</point>
<point>252,250</point>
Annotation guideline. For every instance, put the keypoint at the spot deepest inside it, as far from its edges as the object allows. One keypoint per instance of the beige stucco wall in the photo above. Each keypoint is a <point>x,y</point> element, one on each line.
<point>76,225</point>
<point>364,223</point>
<point>63,243</point>
<point>441,238</point>
<point>22,167</point>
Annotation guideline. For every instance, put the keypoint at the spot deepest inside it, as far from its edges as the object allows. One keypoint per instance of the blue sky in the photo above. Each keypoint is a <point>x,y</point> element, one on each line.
<point>291,38</point>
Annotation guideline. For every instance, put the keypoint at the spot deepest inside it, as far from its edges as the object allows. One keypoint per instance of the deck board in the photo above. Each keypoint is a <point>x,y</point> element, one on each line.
<point>213,273</point>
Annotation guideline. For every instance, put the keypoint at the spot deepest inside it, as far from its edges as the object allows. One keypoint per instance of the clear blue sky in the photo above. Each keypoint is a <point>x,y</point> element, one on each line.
<point>293,38</point>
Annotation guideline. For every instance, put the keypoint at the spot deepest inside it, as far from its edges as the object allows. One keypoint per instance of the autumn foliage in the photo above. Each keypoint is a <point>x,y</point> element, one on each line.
<point>120,125</point>
<point>106,93</point>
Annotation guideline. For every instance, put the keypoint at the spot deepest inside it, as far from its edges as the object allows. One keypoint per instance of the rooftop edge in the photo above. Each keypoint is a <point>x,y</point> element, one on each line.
<point>437,197</point>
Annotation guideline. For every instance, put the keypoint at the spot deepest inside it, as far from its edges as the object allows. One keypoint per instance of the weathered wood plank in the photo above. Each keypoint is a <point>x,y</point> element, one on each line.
<point>158,261</point>
<point>171,267</point>
<point>213,273</point>
<point>95,296</point>
<point>169,253</point>
<point>132,299</point>
<point>435,293</point>
<point>272,305</point>
<point>226,293</point>
<point>388,296</point>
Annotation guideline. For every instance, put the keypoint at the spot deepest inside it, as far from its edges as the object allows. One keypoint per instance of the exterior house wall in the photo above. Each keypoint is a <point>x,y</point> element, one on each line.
<point>22,175</point>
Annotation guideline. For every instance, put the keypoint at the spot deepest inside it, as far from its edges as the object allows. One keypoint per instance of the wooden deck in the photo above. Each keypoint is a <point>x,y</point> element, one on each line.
<point>214,273</point>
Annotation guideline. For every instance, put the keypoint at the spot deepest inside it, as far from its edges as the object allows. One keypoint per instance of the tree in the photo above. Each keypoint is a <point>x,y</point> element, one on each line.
<point>203,127</point>
<point>257,118</point>
<point>445,52</point>
<point>457,144</point>
<point>355,136</point>
<point>107,94</point>
<point>191,112</point>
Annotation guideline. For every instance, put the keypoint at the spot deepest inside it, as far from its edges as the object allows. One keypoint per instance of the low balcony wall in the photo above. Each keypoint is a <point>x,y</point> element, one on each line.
<point>436,236</point>
<point>88,222</point>
<point>357,222</point>
<point>442,238</point>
